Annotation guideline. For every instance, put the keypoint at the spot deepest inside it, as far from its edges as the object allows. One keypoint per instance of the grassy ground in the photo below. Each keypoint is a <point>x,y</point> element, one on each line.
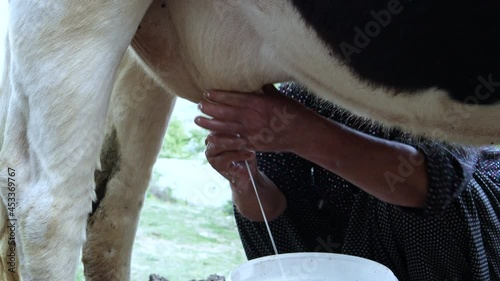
<point>183,242</point>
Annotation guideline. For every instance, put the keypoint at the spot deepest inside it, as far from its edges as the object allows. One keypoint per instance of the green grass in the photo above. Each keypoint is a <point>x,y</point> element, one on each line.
<point>183,242</point>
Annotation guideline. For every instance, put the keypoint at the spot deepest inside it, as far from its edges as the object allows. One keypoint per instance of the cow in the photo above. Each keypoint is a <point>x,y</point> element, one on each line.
<point>88,88</point>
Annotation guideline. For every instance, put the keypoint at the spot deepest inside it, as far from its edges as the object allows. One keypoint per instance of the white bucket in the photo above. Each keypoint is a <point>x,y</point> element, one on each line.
<point>312,267</point>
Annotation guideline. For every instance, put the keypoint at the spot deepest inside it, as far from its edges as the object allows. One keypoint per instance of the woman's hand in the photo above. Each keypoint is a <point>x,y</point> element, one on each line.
<point>227,155</point>
<point>271,122</point>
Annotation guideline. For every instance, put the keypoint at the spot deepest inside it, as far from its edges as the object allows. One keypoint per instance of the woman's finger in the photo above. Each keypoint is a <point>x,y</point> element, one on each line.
<point>221,111</point>
<point>217,125</point>
<point>214,150</point>
<point>231,142</point>
<point>215,134</point>
<point>224,162</point>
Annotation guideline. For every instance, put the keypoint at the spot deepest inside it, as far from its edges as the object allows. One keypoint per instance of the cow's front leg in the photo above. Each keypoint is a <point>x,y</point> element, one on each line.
<point>9,266</point>
<point>64,56</point>
<point>138,117</point>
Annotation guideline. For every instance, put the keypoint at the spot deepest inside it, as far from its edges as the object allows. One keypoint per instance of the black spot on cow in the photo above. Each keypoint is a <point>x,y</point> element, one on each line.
<point>110,165</point>
<point>406,45</point>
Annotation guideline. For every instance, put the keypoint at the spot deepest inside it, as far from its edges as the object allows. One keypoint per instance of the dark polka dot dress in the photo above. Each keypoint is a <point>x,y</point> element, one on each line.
<point>456,237</point>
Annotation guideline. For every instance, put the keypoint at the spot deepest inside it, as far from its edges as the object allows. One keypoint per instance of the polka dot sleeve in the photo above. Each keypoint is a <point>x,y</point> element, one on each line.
<point>449,170</point>
<point>256,241</point>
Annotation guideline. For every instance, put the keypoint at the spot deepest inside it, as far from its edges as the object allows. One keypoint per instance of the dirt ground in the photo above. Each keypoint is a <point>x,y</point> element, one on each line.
<point>154,277</point>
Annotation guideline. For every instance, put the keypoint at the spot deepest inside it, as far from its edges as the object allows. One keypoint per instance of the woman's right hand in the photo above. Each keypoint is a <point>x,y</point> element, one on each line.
<point>227,155</point>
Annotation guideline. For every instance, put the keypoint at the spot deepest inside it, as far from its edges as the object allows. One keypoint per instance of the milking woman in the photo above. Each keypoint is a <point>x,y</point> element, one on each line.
<point>332,182</point>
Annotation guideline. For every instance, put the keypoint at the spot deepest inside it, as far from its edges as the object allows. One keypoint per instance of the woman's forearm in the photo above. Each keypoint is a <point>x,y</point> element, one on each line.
<point>245,200</point>
<point>393,172</point>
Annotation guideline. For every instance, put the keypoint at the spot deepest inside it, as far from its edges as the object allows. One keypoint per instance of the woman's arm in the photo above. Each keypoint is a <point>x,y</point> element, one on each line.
<point>391,171</point>
<point>272,199</point>
<point>372,164</point>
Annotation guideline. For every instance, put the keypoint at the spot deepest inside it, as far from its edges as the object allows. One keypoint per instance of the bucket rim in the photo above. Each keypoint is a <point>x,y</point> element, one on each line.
<point>311,255</point>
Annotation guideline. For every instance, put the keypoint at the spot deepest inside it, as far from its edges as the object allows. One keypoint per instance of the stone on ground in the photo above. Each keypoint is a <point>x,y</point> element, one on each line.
<point>155,277</point>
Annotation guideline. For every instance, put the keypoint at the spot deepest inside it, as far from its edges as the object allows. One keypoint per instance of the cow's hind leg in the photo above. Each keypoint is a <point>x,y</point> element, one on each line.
<point>137,120</point>
<point>64,58</point>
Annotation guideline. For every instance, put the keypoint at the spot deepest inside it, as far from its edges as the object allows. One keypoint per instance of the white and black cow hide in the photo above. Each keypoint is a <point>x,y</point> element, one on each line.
<point>89,78</point>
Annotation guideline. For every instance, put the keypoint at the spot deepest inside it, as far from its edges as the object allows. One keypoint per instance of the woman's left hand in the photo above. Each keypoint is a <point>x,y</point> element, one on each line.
<point>268,122</point>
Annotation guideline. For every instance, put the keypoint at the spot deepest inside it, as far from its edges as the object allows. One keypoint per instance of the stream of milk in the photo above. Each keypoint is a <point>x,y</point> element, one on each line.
<point>283,276</point>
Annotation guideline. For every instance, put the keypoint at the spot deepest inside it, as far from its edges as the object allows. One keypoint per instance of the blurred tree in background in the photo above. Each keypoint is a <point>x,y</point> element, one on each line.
<point>180,143</point>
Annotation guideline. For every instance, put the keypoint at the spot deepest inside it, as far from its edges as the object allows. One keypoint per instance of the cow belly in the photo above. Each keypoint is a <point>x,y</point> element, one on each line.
<point>190,46</point>
<point>218,50</point>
